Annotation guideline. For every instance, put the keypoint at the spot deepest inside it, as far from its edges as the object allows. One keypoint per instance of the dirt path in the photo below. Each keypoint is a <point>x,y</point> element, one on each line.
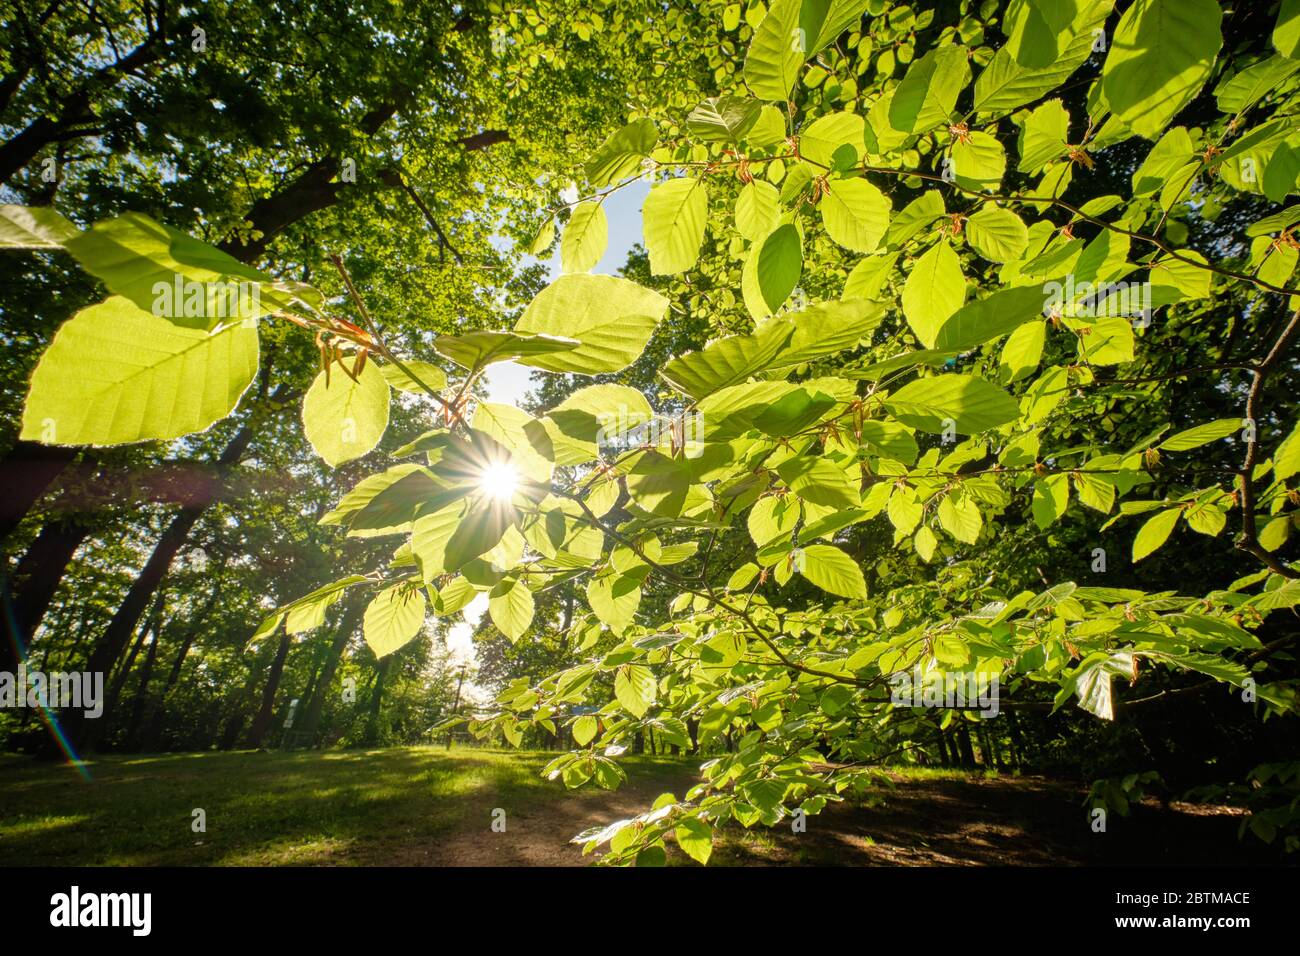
<point>1016,821</point>
<point>540,835</point>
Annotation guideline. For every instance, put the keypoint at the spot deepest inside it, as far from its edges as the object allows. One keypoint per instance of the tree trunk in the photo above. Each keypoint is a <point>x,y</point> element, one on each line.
<point>230,735</point>
<point>352,612</point>
<point>965,748</point>
<point>34,582</point>
<point>376,701</point>
<point>129,739</point>
<point>119,676</point>
<point>153,727</point>
<point>262,722</point>
<point>110,645</point>
<point>25,472</point>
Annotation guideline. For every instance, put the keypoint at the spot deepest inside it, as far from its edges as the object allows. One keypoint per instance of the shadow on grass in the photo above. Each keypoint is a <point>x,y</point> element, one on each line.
<point>354,807</point>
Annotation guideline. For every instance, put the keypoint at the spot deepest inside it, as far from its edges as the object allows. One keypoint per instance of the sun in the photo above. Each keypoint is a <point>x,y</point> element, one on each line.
<point>499,481</point>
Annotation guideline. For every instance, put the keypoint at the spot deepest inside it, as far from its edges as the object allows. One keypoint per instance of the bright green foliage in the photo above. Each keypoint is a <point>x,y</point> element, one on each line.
<point>585,237</point>
<point>675,212</point>
<point>611,318</point>
<point>345,415</point>
<point>883,371</point>
<point>116,374</point>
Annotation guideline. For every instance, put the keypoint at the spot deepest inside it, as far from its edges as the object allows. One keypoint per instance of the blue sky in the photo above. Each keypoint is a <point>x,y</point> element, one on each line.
<point>506,381</point>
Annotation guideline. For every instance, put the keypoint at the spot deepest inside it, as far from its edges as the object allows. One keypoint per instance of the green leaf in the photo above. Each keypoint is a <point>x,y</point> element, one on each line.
<point>819,480</point>
<point>1154,533</point>
<point>832,570</point>
<point>1171,153</point>
<point>1035,28</point>
<point>828,328</point>
<point>855,214</point>
<point>395,505</point>
<point>990,318</point>
<point>971,404</point>
<point>772,518</point>
<point>1286,461</point>
<point>623,153</point>
<point>925,542</point>
<point>1244,89</point>
<point>868,278</point>
<point>1286,35</point>
<point>542,241</point>
<point>1275,534</point>
<point>452,597</point>
<point>822,138</point>
<point>978,162</point>
<point>934,290</point>
<point>343,419</point>
<point>674,215</point>
<point>393,618</point>
<point>1091,681</point>
<point>367,490</point>
<point>598,412</point>
<point>635,688</point>
<point>149,263</point>
<point>615,599</point>
<point>308,611</point>
<point>1107,342</point>
<point>478,533</point>
<point>613,318</point>
<point>432,376</point>
<point>772,271</point>
<point>1005,85</point>
<point>116,374</point>
<point>513,428</point>
<point>1044,136</point>
<point>695,837</point>
<point>658,483</point>
<point>33,227</point>
<point>584,730</point>
<point>511,605</point>
<point>1161,55</point>
<point>758,210</point>
<point>928,93</point>
<point>999,235</point>
<point>961,518</point>
<point>769,130</point>
<point>1095,491</point>
<point>585,237</point>
<point>1051,499</point>
<point>723,119</point>
<point>429,536</point>
<point>779,47</point>
<point>727,361</point>
<point>1201,435</point>
<point>475,350</point>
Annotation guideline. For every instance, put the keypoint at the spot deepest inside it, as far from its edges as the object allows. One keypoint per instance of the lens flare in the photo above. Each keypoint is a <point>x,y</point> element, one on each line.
<point>499,481</point>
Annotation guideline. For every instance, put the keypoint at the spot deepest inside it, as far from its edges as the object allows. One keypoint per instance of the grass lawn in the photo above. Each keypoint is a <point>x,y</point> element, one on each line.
<point>428,806</point>
<point>304,808</point>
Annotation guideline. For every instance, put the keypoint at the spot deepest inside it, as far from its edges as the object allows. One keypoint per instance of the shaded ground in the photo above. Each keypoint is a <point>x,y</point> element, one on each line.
<point>999,821</point>
<point>424,806</point>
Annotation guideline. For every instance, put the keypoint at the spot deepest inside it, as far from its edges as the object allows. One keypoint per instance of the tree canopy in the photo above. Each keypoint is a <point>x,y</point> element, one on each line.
<point>960,353</point>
